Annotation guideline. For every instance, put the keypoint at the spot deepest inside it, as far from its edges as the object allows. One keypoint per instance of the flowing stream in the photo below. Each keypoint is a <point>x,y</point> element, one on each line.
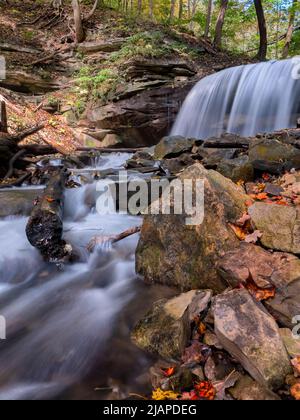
<point>243,100</point>
<point>68,328</point>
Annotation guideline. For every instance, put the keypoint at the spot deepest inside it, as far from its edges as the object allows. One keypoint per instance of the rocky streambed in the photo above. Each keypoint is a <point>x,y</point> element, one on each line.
<point>233,333</point>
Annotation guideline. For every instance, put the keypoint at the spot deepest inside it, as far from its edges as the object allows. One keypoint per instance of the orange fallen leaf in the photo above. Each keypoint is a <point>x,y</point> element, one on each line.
<point>262,196</point>
<point>295,391</point>
<point>259,293</point>
<point>201,328</point>
<point>168,372</point>
<point>240,233</point>
<point>205,390</point>
<point>50,200</point>
<point>266,177</point>
<point>248,203</point>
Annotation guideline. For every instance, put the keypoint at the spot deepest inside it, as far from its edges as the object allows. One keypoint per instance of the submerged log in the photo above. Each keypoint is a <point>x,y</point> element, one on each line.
<point>44,229</point>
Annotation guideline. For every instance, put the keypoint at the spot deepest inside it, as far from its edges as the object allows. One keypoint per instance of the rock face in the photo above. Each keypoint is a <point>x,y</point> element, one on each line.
<point>166,329</point>
<point>280,226</point>
<point>278,269</point>
<point>172,146</point>
<point>174,254</point>
<point>246,389</point>
<point>143,119</point>
<point>251,335</point>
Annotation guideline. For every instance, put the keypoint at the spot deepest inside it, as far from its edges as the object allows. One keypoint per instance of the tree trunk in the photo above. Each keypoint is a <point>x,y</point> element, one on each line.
<point>44,229</point>
<point>263,45</point>
<point>208,18</point>
<point>220,24</point>
<point>172,10</point>
<point>79,31</point>
<point>289,34</point>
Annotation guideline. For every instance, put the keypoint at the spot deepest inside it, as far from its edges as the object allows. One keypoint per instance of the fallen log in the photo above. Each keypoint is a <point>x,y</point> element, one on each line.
<point>44,229</point>
<point>100,240</point>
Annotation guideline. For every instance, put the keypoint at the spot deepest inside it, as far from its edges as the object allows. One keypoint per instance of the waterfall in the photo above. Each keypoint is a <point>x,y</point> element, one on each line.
<point>243,100</point>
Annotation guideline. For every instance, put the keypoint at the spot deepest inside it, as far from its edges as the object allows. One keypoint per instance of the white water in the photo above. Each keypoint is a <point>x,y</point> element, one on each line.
<point>244,100</point>
<point>59,322</point>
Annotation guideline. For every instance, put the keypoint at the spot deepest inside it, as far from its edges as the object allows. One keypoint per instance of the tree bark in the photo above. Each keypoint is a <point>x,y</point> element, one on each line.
<point>220,24</point>
<point>208,18</point>
<point>3,117</point>
<point>290,30</point>
<point>79,31</point>
<point>263,45</point>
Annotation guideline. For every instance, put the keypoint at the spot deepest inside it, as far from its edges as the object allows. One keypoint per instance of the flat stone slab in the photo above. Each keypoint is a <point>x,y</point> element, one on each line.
<point>19,201</point>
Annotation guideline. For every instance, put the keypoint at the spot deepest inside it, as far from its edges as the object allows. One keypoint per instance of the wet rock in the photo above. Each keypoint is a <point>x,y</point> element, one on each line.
<point>213,157</point>
<point>273,189</point>
<point>273,155</point>
<point>277,269</point>
<point>18,202</point>
<point>246,389</point>
<point>291,343</point>
<point>251,335</point>
<point>239,169</point>
<point>172,146</point>
<point>176,165</point>
<point>280,226</point>
<point>166,329</point>
<point>140,159</point>
<point>181,379</point>
<point>174,254</point>
<point>211,340</point>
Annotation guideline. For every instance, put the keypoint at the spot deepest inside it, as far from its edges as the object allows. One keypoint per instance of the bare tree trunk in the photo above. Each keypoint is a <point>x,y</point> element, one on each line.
<point>220,24</point>
<point>3,117</point>
<point>172,10</point>
<point>289,34</point>
<point>263,45</point>
<point>208,17</point>
<point>151,9</point>
<point>79,31</point>
<point>93,10</point>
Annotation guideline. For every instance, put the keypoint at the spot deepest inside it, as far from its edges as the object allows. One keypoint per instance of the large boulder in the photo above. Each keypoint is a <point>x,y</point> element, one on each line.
<point>251,335</point>
<point>166,329</point>
<point>238,169</point>
<point>171,253</point>
<point>280,226</point>
<point>273,155</point>
<point>267,269</point>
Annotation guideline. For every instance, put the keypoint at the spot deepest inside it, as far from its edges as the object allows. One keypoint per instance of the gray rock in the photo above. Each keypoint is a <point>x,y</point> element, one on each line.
<point>291,343</point>
<point>267,269</point>
<point>273,155</point>
<point>174,254</point>
<point>280,226</point>
<point>172,146</point>
<point>166,329</point>
<point>251,335</point>
<point>239,169</point>
<point>246,389</point>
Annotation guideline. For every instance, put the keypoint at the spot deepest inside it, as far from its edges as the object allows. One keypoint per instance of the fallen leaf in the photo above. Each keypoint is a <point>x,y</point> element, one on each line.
<point>190,396</point>
<point>160,395</point>
<point>266,177</point>
<point>248,203</point>
<point>196,353</point>
<point>296,365</point>
<point>243,220</point>
<point>168,371</point>
<point>201,328</point>
<point>295,391</point>
<point>50,199</point>
<point>253,237</point>
<point>228,382</point>
<point>258,292</point>
<point>240,233</point>
<point>205,390</point>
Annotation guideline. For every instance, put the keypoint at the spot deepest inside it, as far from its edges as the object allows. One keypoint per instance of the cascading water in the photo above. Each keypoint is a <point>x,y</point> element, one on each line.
<point>243,100</point>
<point>64,324</point>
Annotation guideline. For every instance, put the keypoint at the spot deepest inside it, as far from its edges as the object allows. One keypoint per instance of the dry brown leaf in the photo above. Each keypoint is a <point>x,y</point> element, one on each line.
<point>253,237</point>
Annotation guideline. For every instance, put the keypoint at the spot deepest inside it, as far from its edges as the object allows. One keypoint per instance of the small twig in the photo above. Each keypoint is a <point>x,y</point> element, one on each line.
<point>98,240</point>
